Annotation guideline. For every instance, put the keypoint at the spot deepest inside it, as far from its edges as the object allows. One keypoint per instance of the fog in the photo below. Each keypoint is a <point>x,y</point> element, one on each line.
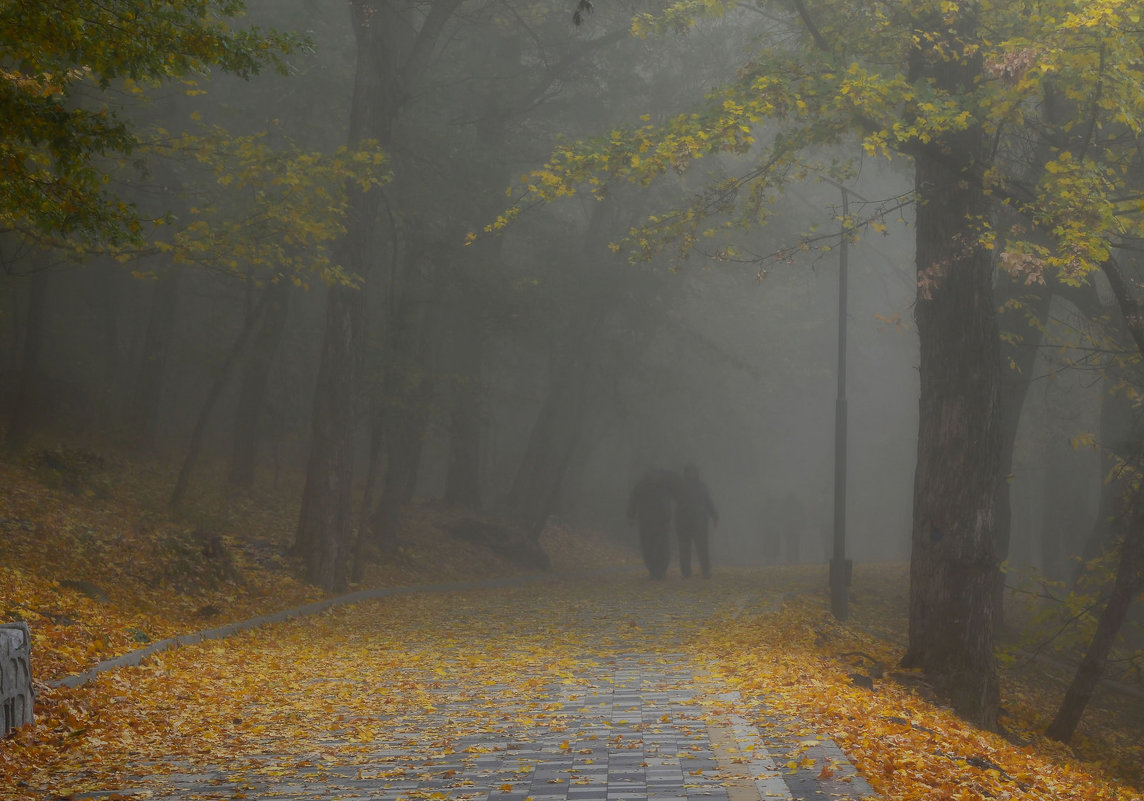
<point>554,368</point>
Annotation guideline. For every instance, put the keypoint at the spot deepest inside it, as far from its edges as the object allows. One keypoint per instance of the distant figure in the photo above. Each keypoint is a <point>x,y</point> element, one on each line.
<point>791,522</point>
<point>650,506</point>
<point>693,507</point>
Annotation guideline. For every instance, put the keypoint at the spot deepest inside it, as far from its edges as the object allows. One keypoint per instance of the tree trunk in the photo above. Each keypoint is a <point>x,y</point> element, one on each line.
<point>1068,516</point>
<point>550,501</point>
<point>366,511</point>
<point>1129,574</point>
<point>199,433</point>
<point>1130,568</point>
<point>953,562</point>
<point>574,377</point>
<point>953,565</point>
<point>410,389</point>
<point>389,63</point>
<point>1017,362</point>
<point>11,344</point>
<point>111,285</point>
<point>324,528</point>
<point>324,525</point>
<point>1115,428</point>
<point>462,481</point>
<point>255,385</point>
<point>152,370</point>
<point>555,434</point>
<point>403,444</point>
<point>24,398</point>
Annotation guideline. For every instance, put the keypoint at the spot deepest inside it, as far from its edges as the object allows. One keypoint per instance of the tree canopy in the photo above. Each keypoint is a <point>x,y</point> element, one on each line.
<point>64,68</point>
<point>1057,91</point>
<point>1034,106</point>
<point>496,366</point>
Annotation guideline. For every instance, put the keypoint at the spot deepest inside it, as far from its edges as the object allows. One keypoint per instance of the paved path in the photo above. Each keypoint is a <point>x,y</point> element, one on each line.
<point>614,726</point>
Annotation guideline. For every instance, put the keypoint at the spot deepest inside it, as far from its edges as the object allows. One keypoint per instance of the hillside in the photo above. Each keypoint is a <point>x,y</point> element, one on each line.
<point>97,568</point>
<point>96,565</point>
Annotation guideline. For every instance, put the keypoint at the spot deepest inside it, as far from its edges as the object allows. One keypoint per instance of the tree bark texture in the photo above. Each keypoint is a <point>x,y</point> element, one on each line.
<point>366,511</point>
<point>577,363</point>
<point>953,564</point>
<point>403,445</point>
<point>1115,430</point>
<point>255,385</point>
<point>953,561</point>
<point>555,434</point>
<point>110,286</point>
<point>462,480</point>
<point>324,527</point>
<point>198,434</point>
<point>156,348</point>
<point>23,400</point>
<point>410,388</point>
<point>463,363</point>
<point>1017,362</point>
<point>1129,579</point>
<point>389,62</point>
<point>1130,567</point>
<point>466,330</point>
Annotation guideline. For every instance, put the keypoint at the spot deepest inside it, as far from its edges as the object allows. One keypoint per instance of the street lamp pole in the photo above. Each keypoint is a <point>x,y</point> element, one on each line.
<point>840,566</point>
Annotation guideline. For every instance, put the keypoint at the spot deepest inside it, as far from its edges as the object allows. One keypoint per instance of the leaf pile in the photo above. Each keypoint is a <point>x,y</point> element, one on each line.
<point>97,568</point>
<point>841,680</point>
<point>316,698</point>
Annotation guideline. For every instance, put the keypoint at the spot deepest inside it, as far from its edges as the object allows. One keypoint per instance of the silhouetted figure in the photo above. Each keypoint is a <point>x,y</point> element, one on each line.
<point>650,506</point>
<point>693,507</point>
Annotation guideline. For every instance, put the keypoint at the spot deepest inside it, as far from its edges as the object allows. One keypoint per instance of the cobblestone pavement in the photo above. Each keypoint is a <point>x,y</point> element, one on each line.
<point>625,726</point>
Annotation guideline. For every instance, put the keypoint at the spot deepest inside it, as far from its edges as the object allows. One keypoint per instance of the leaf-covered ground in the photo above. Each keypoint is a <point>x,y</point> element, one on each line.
<point>272,699</point>
<point>97,567</point>
<point>313,697</point>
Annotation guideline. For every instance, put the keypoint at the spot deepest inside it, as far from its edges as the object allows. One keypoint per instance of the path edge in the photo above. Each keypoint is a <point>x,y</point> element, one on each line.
<point>134,658</point>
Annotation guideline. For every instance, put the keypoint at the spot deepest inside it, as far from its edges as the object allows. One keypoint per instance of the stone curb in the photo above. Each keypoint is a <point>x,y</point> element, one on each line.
<point>133,658</point>
<point>729,758</point>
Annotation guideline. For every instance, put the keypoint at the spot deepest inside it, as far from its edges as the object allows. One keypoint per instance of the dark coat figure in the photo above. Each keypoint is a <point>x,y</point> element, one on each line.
<point>650,506</point>
<point>693,507</point>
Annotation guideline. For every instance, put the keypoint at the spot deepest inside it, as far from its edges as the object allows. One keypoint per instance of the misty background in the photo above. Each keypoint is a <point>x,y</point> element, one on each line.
<point>707,358</point>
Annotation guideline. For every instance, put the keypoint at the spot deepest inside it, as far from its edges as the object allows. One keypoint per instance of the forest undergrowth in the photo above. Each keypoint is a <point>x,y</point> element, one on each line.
<point>96,567</point>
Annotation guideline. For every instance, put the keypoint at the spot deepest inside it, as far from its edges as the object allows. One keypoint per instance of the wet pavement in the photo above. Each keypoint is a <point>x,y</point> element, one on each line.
<point>609,725</point>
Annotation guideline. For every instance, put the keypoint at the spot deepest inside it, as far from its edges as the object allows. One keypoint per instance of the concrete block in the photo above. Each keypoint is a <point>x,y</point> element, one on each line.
<point>16,693</point>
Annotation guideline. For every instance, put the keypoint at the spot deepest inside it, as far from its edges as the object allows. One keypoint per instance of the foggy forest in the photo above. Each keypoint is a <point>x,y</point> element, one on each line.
<point>306,297</point>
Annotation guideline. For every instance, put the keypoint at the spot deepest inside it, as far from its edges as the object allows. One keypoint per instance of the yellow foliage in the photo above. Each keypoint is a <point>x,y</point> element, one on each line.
<point>385,665</point>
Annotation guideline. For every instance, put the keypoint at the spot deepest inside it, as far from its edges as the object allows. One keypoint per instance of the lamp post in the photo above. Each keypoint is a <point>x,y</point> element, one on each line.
<point>840,566</point>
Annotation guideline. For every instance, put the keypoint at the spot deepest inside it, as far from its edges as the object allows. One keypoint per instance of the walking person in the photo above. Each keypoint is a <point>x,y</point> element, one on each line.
<point>693,507</point>
<point>650,507</point>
